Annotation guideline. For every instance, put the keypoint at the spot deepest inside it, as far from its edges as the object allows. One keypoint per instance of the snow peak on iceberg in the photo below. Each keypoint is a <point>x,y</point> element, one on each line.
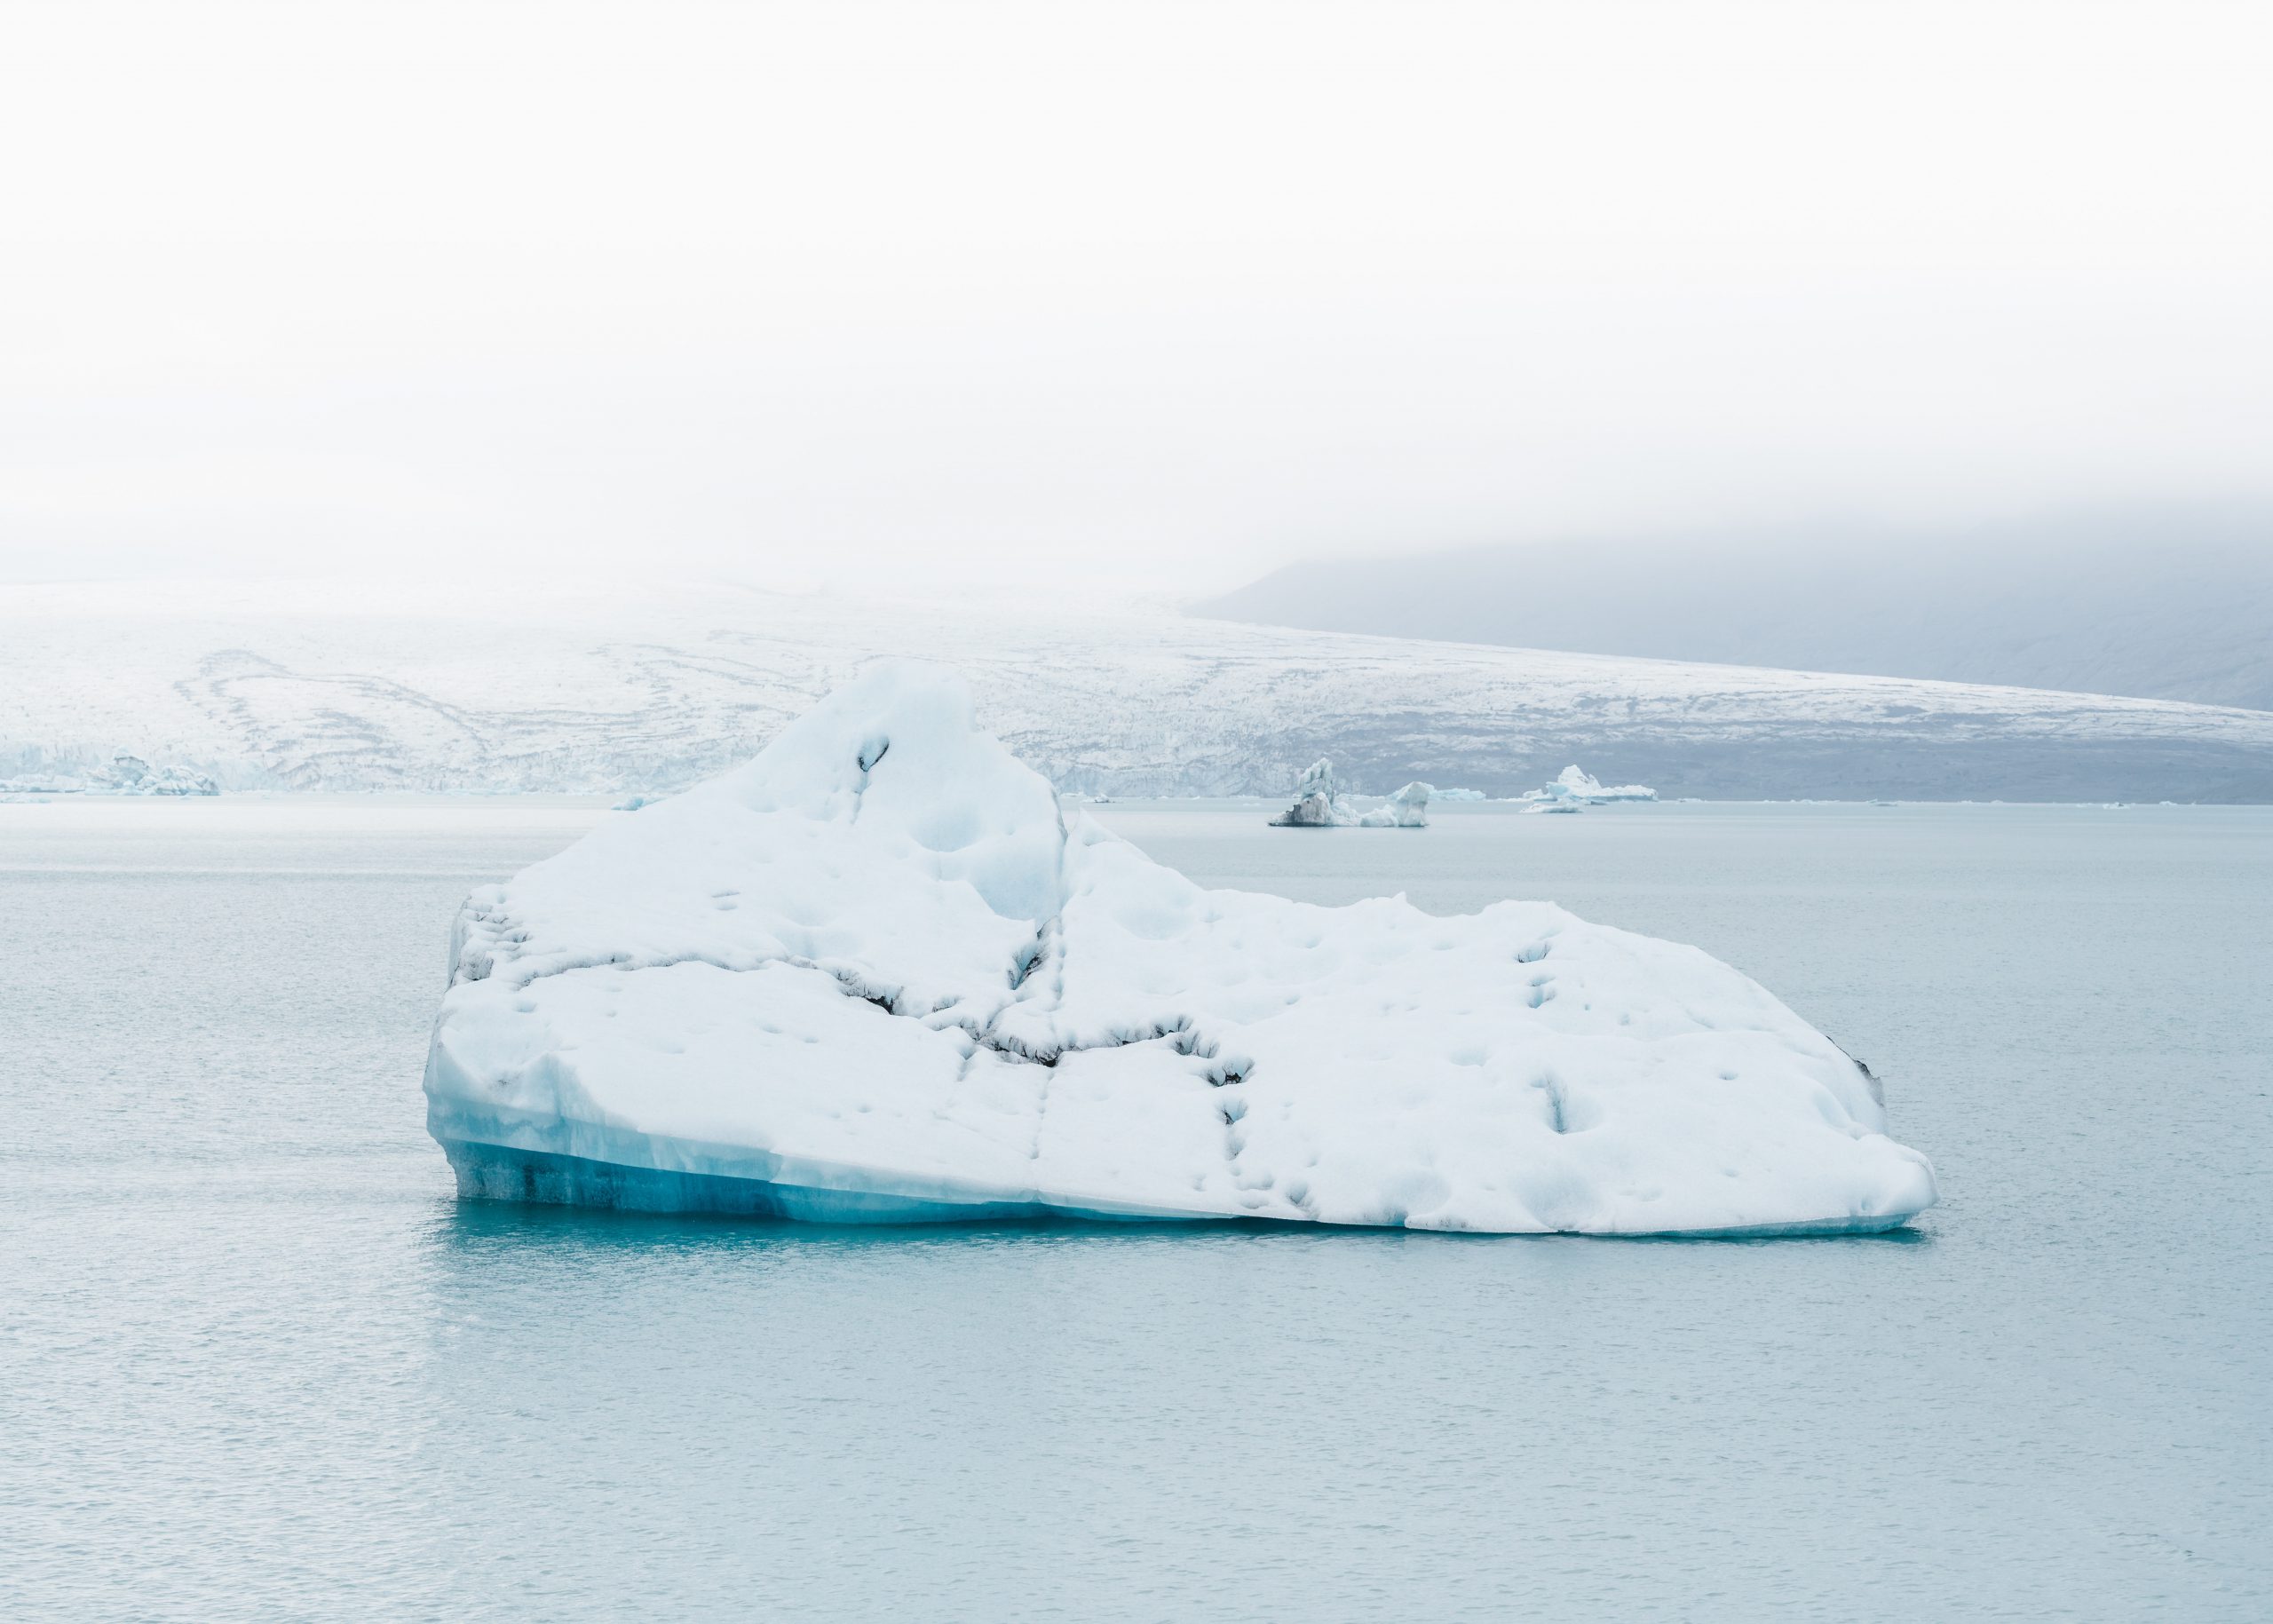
<point>880,973</point>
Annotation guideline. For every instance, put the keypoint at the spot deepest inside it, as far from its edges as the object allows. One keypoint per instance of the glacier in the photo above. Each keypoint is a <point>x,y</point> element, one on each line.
<point>550,685</point>
<point>126,774</point>
<point>884,972</point>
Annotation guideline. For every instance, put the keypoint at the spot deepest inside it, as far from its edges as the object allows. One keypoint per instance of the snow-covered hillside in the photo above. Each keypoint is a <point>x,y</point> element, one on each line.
<point>512,688</point>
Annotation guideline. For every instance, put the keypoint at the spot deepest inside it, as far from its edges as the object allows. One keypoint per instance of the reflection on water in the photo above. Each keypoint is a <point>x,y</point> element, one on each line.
<point>259,1362</point>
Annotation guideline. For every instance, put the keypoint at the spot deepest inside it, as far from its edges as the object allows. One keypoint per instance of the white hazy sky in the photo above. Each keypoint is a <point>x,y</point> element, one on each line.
<point>1147,295</point>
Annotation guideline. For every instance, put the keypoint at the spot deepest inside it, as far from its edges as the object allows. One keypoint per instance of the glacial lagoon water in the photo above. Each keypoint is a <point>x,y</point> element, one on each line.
<point>256,1361</point>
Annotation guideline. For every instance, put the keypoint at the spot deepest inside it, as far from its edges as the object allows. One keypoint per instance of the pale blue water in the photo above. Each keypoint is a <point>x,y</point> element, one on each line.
<point>258,1363</point>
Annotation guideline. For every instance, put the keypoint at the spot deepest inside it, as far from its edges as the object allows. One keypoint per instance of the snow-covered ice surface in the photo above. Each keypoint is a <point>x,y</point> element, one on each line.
<point>551,687</point>
<point>882,972</point>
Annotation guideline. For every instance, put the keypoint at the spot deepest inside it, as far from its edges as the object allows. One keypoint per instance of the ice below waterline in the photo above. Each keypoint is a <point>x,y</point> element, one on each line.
<point>880,973</point>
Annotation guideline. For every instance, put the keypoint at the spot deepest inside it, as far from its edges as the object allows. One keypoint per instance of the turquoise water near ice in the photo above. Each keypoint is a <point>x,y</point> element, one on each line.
<point>256,1361</point>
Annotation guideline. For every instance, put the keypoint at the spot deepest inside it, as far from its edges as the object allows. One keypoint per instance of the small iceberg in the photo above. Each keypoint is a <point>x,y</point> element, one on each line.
<point>1319,805</point>
<point>1573,789</point>
<point>882,973</point>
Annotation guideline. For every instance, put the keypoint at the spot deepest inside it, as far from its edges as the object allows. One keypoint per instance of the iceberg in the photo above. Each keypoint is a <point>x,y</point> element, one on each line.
<point>882,973</point>
<point>1408,808</point>
<point>1576,788</point>
<point>1319,805</point>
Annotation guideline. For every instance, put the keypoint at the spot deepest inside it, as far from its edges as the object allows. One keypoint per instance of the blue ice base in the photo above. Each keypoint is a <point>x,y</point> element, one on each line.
<point>502,1173</point>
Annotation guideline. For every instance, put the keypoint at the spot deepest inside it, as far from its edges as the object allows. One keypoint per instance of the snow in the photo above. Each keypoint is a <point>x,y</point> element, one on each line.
<point>883,971</point>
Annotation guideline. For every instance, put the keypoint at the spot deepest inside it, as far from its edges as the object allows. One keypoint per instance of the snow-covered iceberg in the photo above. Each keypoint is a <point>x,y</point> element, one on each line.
<point>1319,805</point>
<point>1575,787</point>
<point>882,972</point>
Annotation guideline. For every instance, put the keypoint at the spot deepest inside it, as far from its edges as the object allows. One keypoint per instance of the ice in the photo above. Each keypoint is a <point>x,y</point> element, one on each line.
<point>127,775</point>
<point>1574,788</point>
<point>131,775</point>
<point>1407,809</point>
<point>882,971</point>
<point>1319,805</point>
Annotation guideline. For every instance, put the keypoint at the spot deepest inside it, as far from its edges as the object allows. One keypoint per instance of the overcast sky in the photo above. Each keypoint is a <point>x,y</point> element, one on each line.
<point>1143,296</point>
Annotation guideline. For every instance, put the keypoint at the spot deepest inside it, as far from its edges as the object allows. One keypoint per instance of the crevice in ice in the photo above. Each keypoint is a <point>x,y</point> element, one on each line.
<point>866,758</point>
<point>1046,946</point>
<point>1011,1045</point>
<point>1556,1118</point>
<point>1871,1079</point>
<point>891,1001</point>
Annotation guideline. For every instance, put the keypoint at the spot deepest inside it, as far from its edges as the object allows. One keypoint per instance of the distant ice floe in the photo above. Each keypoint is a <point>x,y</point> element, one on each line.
<point>1319,805</point>
<point>882,972</point>
<point>1571,789</point>
<point>127,775</point>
